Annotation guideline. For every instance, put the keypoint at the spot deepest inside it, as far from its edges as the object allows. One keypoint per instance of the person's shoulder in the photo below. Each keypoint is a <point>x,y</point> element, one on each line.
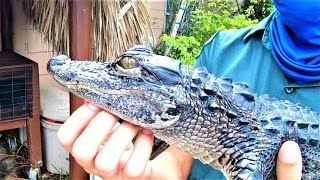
<point>229,35</point>
<point>222,43</point>
<point>243,34</point>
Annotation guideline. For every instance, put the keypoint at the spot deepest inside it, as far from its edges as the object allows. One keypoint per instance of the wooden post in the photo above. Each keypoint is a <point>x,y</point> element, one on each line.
<point>80,49</point>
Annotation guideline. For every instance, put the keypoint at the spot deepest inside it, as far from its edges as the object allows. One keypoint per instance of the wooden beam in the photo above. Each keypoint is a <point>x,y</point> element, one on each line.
<point>17,123</point>
<point>80,49</point>
<point>6,25</point>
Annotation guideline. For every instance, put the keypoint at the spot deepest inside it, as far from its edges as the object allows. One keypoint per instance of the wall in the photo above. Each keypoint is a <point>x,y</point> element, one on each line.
<point>157,13</point>
<point>28,42</point>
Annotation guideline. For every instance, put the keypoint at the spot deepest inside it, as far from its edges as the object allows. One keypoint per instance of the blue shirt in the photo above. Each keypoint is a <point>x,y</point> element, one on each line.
<point>244,55</point>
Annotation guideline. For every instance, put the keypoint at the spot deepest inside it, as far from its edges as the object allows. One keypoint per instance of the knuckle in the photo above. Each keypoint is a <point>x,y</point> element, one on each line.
<point>133,172</point>
<point>91,170</point>
<point>105,169</point>
<point>65,141</point>
<point>133,175</point>
<point>81,154</point>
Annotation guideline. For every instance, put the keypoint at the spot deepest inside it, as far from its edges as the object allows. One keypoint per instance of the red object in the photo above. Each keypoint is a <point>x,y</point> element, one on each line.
<point>53,121</point>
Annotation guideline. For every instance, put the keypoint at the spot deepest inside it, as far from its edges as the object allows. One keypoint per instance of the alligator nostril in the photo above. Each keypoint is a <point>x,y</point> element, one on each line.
<point>58,60</point>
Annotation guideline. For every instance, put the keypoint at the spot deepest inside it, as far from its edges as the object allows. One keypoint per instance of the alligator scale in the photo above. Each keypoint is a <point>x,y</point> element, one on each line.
<point>212,119</point>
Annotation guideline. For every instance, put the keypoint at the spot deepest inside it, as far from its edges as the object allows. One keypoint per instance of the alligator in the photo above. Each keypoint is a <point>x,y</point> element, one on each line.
<point>213,119</point>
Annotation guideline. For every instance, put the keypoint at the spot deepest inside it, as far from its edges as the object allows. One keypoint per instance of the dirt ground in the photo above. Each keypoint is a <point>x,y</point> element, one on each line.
<point>14,162</point>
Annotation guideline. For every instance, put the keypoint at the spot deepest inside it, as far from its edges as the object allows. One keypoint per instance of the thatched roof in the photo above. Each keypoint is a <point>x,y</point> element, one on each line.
<point>116,25</point>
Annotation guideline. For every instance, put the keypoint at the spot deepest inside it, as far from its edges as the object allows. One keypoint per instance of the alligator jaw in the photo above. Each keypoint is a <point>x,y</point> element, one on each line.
<point>100,83</point>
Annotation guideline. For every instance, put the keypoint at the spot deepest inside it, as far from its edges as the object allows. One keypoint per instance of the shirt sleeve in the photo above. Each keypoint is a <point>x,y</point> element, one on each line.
<point>207,52</point>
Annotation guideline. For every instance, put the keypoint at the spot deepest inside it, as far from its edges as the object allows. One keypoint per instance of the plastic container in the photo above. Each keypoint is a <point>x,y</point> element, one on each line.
<point>56,159</point>
<point>54,111</point>
<point>54,103</point>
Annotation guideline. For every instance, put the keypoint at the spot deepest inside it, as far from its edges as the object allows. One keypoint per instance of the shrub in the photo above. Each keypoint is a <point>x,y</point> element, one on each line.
<point>205,19</point>
<point>257,9</point>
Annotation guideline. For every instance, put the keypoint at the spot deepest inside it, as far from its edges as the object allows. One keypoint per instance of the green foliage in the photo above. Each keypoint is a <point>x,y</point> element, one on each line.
<point>257,9</point>
<point>205,22</point>
<point>184,48</point>
<point>63,174</point>
<point>206,18</point>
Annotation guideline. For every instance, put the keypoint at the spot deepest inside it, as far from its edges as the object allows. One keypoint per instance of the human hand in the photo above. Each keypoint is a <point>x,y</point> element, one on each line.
<point>103,147</point>
<point>289,162</point>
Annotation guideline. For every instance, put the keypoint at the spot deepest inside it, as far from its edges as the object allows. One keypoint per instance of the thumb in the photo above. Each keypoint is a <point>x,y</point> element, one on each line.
<point>289,162</point>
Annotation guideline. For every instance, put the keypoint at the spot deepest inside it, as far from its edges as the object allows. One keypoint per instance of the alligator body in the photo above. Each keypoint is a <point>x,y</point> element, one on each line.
<point>213,119</point>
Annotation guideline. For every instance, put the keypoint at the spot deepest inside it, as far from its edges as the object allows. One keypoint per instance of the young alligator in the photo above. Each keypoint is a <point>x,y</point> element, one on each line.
<point>212,119</point>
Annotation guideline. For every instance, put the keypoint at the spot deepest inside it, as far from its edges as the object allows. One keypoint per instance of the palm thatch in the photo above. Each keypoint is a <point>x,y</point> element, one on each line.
<point>120,25</point>
<point>50,18</point>
<point>116,24</point>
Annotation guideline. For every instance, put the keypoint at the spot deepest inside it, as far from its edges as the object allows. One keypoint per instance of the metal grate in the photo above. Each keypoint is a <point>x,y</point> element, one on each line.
<point>15,93</point>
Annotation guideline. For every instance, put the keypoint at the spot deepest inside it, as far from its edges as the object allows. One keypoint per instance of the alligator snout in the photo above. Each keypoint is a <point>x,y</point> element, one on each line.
<point>56,62</point>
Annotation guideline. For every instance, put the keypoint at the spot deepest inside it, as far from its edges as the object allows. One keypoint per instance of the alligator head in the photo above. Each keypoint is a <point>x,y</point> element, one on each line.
<point>132,87</point>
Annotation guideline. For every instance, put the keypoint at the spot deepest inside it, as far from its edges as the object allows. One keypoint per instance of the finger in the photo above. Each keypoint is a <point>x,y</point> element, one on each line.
<point>125,156</point>
<point>77,122</point>
<point>88,143</point>
<point>109,134</point>
<point>107,160</point>
<point>136,165</point>
<point>289,162</point>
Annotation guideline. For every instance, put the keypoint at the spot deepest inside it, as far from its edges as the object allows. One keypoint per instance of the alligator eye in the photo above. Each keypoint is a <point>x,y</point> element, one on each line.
<point>128,62</point>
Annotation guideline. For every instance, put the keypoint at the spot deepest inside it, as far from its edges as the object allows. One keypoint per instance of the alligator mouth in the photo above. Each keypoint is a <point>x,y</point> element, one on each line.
<point>80,89</point>
<point>115,91</point>
<point>124,91</point>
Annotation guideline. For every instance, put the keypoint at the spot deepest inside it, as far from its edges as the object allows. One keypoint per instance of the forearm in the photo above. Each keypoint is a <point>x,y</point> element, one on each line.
<point>171,164</point>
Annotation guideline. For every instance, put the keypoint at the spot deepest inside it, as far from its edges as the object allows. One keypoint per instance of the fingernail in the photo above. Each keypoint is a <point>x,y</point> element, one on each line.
<point>290,157</point>
<point>146,131</point>
<point>291,153</point>
<point>92,106</point>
